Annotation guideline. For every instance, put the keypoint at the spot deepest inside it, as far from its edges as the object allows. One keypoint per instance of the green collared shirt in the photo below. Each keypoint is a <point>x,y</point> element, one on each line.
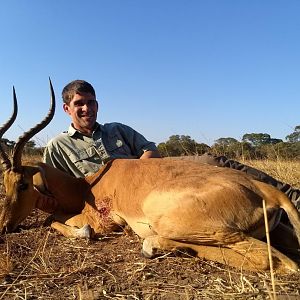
<point>81,155</point>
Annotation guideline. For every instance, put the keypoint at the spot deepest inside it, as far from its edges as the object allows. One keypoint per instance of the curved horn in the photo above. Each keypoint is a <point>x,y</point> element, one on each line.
<point>17,153</point>
<point>4,157</point>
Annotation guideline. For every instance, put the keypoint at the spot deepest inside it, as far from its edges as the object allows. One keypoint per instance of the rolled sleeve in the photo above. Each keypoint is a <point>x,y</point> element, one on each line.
<point>123,141</point>
<point>137,142</point>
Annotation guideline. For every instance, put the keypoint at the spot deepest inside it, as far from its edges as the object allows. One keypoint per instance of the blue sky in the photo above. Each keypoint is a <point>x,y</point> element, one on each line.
<point>208,69</point>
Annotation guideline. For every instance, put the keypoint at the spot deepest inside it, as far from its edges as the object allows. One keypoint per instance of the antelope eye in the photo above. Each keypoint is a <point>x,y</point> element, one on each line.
<point>22,186</point>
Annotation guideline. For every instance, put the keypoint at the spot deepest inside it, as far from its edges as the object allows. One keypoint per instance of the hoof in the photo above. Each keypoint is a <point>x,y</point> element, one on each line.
<point>84,232</point>
<point>147,250</point>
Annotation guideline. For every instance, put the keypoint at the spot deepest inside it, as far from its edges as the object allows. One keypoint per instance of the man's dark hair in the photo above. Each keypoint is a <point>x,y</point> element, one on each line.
<point>76,87</point>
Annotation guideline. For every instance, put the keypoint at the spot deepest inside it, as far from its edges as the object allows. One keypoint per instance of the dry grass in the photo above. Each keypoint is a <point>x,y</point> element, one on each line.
<point>38,263</point>
<point>283,170</point>
<point>48,266</point>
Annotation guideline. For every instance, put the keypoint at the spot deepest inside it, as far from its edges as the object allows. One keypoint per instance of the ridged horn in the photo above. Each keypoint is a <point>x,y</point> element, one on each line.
<point>17,152</point>
<point>4,157</point>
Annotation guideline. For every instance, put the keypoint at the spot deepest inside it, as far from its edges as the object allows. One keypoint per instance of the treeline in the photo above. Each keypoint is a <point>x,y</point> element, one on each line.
<point>252,146</point>
<point>29,149</point>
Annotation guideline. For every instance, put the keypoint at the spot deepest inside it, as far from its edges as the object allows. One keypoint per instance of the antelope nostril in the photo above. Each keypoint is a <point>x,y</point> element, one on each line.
<point>3,230</point>
<point>7,228</point>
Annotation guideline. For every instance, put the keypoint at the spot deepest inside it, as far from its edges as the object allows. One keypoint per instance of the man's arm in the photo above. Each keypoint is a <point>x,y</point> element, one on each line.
<point>150,154</point>
<point>139,145</point>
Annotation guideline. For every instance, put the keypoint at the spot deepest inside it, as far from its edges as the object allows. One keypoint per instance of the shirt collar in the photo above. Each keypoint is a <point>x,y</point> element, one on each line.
<point>72,131</point>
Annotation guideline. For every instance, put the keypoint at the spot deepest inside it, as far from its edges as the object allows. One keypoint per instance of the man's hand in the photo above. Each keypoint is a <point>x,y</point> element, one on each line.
<point>47,204</point>
<point>150,154</point>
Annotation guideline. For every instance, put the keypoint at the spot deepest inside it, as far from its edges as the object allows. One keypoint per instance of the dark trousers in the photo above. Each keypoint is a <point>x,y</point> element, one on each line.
<point>222,161</point>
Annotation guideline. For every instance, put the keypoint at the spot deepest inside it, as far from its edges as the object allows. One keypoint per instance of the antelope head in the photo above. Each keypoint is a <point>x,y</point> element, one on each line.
<point>20,193</point>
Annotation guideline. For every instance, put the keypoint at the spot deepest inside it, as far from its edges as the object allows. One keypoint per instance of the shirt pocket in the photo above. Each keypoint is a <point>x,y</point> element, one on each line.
<point>86,160</point>
<point>117,147</point>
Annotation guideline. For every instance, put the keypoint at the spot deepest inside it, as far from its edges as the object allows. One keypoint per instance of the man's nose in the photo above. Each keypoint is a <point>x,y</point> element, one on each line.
<point>85,107</point>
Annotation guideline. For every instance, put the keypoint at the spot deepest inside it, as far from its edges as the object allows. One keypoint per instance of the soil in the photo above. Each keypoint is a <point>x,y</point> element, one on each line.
<point>39,263</point>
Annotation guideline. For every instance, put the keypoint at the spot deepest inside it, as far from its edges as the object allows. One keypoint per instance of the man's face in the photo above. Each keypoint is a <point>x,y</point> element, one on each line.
<point>83,110</point>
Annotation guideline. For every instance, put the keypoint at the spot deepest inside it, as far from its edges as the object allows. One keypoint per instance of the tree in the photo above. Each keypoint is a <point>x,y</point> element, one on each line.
<point>7,142</point>
<point>179,145</point>
<point>232,148</point>
<point>275,141</point>
<point>295,136</point>
<point>30,144</point>
<point>281,150</point>
<point>262,144</point>
<point>226,141</point>
<point>256,139</point>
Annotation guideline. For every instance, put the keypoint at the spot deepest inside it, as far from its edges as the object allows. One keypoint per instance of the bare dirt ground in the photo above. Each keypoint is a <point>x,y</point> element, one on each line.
<point>38,263</point>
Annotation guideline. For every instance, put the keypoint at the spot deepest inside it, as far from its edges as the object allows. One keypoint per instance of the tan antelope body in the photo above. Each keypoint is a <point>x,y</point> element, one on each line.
<point>171,204</point>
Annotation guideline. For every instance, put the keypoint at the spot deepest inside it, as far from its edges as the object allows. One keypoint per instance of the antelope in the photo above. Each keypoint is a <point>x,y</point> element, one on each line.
<point>170,204</point>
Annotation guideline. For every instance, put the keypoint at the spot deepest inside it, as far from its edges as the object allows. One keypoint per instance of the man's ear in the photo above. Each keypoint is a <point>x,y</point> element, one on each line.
<point>66,108</point>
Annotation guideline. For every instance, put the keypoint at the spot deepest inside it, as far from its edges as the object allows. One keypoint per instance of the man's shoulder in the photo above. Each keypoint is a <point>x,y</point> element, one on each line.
<point>113,127</point>
<point>61,138</point>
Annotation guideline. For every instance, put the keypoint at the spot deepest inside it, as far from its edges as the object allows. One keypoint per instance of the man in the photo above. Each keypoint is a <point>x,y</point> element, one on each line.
<point>87,145</point>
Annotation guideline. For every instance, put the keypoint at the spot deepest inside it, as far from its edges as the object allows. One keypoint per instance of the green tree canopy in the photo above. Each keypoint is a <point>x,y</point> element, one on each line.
<point>30,144</point>
<point>226,141</point>
<point>295,136</point>
<point>179,145</point>
<point>7,142</point>
<point>232,148</point>
<point>259,139</point>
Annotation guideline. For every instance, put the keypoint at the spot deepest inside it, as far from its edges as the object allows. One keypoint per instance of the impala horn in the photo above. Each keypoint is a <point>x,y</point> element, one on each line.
<point>17,152</point>
<point>4,157</point>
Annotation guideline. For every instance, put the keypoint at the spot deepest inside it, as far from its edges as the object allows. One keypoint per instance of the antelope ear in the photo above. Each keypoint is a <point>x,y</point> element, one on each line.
<point>39,180</point>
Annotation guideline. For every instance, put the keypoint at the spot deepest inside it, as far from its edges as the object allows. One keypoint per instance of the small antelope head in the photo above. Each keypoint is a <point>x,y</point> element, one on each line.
<point>20,194</point>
